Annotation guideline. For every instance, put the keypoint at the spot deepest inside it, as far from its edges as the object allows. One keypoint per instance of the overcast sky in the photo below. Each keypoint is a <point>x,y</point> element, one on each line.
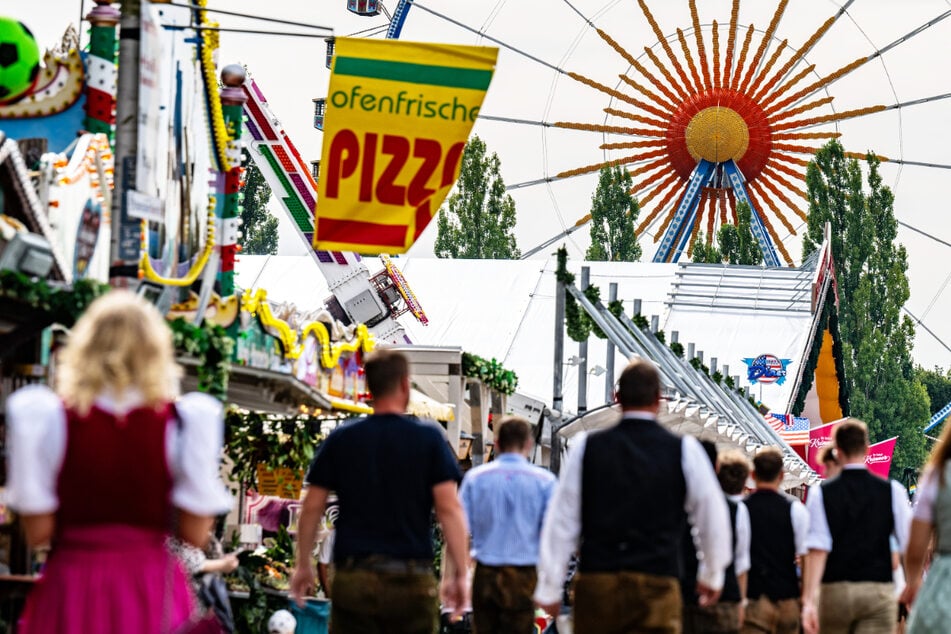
<point>291,72</point>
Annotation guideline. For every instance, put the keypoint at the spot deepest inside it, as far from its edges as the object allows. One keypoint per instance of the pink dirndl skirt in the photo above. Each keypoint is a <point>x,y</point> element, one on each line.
<point>110,580</point>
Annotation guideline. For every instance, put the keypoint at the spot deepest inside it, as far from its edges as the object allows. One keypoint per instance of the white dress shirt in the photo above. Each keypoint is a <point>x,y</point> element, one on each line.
<point>704,503</point>
<point>820,538</point>
<point>741,552</point>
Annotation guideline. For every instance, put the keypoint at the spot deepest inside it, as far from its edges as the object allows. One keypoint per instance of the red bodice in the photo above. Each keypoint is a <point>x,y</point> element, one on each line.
<point>115,469</point>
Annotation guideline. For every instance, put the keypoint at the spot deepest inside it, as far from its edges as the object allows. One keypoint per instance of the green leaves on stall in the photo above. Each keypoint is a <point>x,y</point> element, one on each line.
<point>211,345</point>
<point>64,303</point>
<point>490,372</point>
<point>252,438</point>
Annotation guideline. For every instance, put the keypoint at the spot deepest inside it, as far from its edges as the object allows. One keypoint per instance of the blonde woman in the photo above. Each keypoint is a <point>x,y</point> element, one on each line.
<point>931,527</point>
<point>104,467</point>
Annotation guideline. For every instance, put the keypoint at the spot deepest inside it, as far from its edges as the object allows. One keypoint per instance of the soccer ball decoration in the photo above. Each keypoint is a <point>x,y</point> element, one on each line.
<point>281,622</point>
<point>19,60</point>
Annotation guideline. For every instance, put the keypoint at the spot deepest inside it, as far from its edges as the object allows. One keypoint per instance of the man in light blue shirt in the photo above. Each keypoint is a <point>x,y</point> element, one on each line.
<point>505,502</point>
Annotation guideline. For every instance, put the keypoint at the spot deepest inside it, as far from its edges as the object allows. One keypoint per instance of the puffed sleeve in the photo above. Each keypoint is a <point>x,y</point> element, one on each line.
<point>36,444</point>
<point>195,454</point>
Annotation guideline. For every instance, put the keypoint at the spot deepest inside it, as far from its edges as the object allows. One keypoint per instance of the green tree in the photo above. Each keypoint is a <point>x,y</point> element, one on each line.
<point>479,219</point>
<point>613,212</point>
<point>258,226</point>
<point>735,243</point>
<point>937,383</point>
<point>871,269</point>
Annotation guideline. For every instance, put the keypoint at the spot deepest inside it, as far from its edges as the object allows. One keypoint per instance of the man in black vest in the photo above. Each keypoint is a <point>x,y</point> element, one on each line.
<point>851,519</point>
<point>624,498</point>
<point>779,524</point>
<point>726,617</point>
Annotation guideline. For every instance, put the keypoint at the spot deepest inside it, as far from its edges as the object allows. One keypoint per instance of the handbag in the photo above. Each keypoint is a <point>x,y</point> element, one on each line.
<point>213,595</point>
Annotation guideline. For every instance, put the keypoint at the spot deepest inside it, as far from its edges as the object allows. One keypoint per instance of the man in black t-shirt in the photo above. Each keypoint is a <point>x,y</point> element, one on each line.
<point>389,472</point>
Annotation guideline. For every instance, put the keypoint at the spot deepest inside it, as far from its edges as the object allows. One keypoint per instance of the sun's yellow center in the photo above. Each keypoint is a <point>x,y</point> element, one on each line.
<point>717,134</point>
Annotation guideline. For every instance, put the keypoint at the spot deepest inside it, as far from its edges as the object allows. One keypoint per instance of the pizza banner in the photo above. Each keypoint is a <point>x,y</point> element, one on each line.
<point>397,118</point>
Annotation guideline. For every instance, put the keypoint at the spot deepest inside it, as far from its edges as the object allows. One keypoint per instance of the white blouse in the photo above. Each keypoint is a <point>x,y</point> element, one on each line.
<point>36,447</point>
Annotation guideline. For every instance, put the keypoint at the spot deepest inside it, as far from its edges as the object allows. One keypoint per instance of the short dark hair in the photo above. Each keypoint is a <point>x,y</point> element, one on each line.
<point>827,454</point>
<point>639,385</point>
<point>385,370</point>
<point>710,448</point>
<point>851,438</point>
<point>513,433</point>
<point>767,464</point>
<point>733,472</point>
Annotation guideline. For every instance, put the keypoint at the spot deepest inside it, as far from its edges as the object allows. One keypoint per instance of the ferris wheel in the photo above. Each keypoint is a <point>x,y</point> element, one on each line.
<point>705,106</point>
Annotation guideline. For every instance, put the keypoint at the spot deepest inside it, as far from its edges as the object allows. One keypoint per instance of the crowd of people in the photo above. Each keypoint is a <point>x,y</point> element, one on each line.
<point>656,532</point>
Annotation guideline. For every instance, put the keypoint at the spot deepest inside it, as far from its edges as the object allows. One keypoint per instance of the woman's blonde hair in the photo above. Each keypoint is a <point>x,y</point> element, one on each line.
<point>120,342</point>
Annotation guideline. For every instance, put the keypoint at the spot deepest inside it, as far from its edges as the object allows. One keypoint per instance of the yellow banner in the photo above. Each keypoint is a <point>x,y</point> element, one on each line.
<point>397,119</point>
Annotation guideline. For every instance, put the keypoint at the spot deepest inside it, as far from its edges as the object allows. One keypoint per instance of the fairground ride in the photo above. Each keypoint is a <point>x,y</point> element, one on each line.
<point>729,107</point>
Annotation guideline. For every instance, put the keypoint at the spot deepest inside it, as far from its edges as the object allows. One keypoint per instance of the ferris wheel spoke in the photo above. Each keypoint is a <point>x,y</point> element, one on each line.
<point>767,68</point>
<point>596,167</point>
<point>730,43</point>
<point>747,40</point>
<point>764,43</point>
<point>635,117</point>
<point>687,86</point>
<point>818,103</point>
<point>760,185</point>
<point>716,54</point>
<point>698,83</point>
<point>942,166</point>
<point>627,145</point>
<point>657,99</point>
<point>661,205</point>
<point>610,129</point>
<point>701,49</point>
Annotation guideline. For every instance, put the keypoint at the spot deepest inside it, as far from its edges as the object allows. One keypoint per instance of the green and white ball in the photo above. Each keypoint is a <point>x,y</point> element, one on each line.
<point>19,60</point>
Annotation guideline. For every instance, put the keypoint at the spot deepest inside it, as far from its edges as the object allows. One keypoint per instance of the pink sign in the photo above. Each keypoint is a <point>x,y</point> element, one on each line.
<point>819,437</point>
<point>879,459</point>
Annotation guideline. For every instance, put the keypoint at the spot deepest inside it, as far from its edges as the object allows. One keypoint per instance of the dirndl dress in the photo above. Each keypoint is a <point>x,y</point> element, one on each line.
<point>113,480</point>
<point>932,609</point>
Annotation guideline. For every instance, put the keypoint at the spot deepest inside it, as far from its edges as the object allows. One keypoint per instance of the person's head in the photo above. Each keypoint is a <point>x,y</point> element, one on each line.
<point>639,387</point>
<point>829,461</point>
<point>710,448</point>
<point>768,467</point>
<point>851,440</point>
<point>733,471</point>
<point>121,342</point>
<point>513,435</point>
<point>387,374</point>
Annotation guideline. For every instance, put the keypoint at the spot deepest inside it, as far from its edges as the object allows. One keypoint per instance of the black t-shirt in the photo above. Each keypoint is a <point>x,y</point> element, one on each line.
<point>383,469</point>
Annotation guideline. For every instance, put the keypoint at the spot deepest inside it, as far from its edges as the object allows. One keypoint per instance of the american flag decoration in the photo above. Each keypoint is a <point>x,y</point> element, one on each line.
<point>793,429</point>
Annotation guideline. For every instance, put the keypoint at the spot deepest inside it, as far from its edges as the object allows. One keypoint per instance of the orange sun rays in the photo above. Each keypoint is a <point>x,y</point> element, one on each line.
<point>768,76</point>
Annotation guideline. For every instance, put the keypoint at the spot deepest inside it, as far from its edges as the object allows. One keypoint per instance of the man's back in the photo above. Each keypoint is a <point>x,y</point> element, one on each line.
<point>505,502</point>
<point>632,501</point>
<point>383,469</point>
<point>857,500</point>
<point>772,546</point>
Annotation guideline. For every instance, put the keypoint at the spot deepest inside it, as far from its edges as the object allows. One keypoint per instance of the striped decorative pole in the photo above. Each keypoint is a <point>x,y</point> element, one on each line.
<point>101,69</point>
<point>232,106</point>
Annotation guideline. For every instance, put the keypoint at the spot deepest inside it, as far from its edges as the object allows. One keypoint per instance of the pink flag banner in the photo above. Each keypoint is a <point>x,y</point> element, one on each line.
<point>819,437</point>
<point>879,459</point>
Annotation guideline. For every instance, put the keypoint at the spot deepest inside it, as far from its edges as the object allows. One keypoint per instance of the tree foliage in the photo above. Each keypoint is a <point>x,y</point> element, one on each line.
<point>937,383</point>
<point>479,218</point>
<point>258,226</point>
<point>871,269</point>
<point>613,212</point>
<point>735,244</point>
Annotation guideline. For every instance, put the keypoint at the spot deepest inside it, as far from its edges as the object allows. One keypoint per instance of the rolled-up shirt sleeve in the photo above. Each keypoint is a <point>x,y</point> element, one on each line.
<point>36,445</point>
<point>707,511</point>
<point>901,513</point>
<point>741,553</point>
<point>195,451</point>
<point>800,523</point>
<point>926,497</point>
<point>561,530</point>
<point>819,537</point>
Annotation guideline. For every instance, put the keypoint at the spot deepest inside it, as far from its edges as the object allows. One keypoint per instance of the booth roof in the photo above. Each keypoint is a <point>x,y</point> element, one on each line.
<point>504,309</point>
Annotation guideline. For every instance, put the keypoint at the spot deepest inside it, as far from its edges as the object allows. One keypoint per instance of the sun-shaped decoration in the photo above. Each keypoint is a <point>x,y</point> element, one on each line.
<point>717,133</point>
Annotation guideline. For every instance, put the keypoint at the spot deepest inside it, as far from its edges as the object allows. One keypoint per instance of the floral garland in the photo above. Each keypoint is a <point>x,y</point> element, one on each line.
<point>212,346</point>
<point>490,372</point>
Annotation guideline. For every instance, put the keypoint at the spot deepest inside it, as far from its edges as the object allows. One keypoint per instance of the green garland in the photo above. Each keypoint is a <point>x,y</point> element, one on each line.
<point>490,372</point>
<point>828,320</point>
<point>65,304</point>
<point>212,346</point>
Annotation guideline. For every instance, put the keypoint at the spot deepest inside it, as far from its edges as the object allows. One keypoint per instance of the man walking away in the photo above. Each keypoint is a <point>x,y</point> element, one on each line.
<point>389,471</point>
<point>625,496</point>
<point>779,524</point>
<point>851,519</point>
<point>505,502</point>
